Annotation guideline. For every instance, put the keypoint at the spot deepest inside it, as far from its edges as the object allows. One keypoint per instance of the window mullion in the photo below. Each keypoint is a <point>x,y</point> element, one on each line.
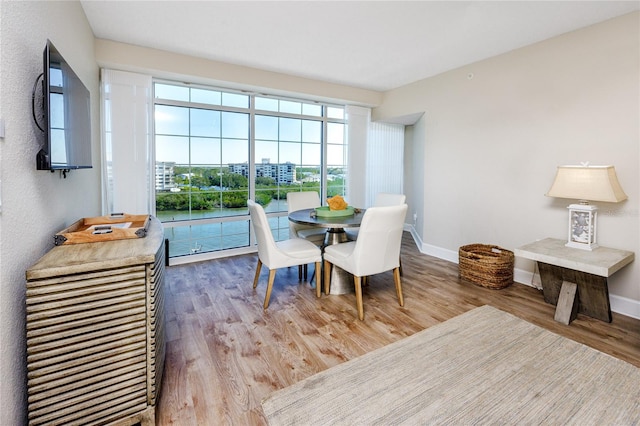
<point>252,159</point>
<point>277,141</point>
<point>323,159</point>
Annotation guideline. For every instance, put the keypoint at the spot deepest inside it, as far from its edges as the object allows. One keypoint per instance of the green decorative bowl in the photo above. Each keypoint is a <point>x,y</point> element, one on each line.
<point>326,212</point>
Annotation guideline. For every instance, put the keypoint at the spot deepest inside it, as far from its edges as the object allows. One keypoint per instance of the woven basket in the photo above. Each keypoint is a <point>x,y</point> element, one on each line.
<point>486,265</point>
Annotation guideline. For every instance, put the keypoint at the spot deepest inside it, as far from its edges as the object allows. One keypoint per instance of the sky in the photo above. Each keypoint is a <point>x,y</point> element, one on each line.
<point>200,136</point>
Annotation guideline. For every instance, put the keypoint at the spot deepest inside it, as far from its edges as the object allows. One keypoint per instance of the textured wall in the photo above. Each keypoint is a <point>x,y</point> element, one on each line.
<point>493,133</point>
<point>35,204</point>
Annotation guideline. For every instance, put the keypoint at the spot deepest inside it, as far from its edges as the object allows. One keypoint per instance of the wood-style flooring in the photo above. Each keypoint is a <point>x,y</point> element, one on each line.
<point>225,353</point>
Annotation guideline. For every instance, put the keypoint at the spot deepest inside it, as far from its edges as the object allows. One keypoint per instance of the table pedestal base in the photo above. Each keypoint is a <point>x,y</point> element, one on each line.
<point>341,280</point>
<point>335,236</point>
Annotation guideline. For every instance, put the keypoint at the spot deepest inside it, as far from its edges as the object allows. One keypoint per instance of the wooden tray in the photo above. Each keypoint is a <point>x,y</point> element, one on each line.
<point>117,226</point>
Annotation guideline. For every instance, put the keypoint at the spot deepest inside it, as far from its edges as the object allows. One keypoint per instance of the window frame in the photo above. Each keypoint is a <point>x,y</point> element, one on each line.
<point>252,113</point>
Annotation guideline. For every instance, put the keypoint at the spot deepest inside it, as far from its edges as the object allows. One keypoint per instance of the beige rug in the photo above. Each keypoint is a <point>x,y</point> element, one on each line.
<point>482,367</point>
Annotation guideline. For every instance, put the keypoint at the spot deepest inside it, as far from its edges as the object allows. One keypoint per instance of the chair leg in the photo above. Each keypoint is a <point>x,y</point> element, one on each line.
<point>327,276</point>
<point>357,281</point>
<point>255,280</point>
<point>318,280</point>
<point>305,268</point>
<point>272,275</point>
<point>396,278</point>
<point>400,262</point>
<point>299,272</point>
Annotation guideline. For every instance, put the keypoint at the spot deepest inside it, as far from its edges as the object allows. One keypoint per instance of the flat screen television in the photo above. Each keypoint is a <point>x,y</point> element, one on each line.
<point>67,116</point>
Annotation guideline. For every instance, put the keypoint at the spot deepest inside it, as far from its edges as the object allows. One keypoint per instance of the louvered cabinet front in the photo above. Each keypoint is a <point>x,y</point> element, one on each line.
<point>155,336</point>
<point>95,338</point>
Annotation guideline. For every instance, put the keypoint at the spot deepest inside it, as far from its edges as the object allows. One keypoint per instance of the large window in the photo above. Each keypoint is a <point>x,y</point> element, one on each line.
<point>214,149</point>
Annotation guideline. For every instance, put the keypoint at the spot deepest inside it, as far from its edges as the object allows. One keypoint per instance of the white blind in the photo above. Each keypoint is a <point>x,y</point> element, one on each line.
<point>126,100</point>
<point>358,119</point>
<point>385,160</point>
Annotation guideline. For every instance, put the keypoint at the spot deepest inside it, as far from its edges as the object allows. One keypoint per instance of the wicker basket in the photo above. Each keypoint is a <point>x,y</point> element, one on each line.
<point>486,265</point>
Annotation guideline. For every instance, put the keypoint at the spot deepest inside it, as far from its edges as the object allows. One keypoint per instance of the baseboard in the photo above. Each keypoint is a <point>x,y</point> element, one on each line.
<point>625,306</point>
<point>619,304</point>
<point>440,253</point>
<point>527,278</point>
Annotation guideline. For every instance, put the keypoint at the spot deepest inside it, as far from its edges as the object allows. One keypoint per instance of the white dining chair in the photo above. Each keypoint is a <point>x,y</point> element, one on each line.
<point>376,250</point>
<point>282,254</point>
<point>383,199</point>
<point>301,200</point>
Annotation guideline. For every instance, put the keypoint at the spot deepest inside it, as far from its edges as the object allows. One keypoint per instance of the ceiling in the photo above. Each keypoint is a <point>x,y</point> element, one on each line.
<point>376,45</point>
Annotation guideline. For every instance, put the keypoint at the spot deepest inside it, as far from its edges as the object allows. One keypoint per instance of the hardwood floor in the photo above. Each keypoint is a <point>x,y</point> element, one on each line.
<point>225,353</point>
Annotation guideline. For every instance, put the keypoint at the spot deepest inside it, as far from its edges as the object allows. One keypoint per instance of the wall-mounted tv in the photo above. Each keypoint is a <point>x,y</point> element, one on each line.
<point>67,116</point>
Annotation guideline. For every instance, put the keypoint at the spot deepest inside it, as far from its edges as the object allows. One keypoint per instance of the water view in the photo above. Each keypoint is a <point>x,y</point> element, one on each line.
<point>219,235</point>
<point>211,146</point>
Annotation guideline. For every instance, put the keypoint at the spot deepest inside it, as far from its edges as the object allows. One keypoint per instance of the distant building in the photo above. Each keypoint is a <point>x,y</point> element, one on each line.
<point>284,173</point>
<point>311,177</point>
<point>279,172</point>
<point>240,169</point>
<point>165,176</point>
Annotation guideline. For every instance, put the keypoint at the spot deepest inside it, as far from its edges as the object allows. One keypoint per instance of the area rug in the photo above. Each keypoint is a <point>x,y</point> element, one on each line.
<point>482,367</point>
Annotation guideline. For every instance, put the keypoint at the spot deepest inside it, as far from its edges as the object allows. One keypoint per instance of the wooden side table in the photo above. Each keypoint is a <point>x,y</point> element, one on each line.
<point>575,280</point>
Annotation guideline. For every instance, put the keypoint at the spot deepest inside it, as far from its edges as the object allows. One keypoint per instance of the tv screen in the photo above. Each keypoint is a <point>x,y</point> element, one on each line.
<point>67,116</point>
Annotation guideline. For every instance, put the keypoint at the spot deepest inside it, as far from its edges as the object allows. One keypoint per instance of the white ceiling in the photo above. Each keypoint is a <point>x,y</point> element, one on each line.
<point>376,45</point>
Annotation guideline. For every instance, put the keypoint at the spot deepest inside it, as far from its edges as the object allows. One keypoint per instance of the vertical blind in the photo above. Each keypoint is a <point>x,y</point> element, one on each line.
<point>385,159</point>
<point>358,119</point>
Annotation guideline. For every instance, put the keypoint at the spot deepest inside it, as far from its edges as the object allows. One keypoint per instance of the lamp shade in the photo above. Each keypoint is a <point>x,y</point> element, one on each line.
<point>589,183</point>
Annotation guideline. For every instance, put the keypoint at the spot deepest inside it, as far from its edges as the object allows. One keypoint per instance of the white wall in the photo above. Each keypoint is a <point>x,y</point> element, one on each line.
<point>494,132</point>
<point>481,157</point>
<point>173,66</point>
<point>35,204</point>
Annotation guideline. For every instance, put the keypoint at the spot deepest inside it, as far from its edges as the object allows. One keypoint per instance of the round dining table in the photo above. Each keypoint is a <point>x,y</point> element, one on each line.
<point>341,281</point>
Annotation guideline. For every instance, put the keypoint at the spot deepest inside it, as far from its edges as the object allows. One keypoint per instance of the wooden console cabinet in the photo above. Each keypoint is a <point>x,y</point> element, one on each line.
<point>95,332</point>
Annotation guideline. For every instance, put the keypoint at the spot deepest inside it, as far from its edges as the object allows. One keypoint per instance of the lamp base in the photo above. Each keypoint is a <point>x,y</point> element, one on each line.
<point>582,226</point>
<point>581,246</point>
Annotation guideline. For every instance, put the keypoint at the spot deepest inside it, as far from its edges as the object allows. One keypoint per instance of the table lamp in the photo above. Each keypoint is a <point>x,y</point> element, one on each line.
<point>585,183</point>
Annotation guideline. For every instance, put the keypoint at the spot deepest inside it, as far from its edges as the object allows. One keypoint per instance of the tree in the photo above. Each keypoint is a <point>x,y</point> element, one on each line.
<point>262,198</point>
<point>233,180</point>
<point>199,181</point>
<point>234,199</point>
<point>264,181</point>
